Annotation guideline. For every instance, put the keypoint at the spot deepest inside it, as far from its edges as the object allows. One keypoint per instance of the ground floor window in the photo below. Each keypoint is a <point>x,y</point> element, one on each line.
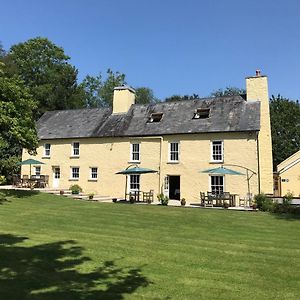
<point>94,173</point>
<point>75,172</point>
<point>56,173</point>
<point>217,184</point>
<point>134,183</point>
<point>37,171</point>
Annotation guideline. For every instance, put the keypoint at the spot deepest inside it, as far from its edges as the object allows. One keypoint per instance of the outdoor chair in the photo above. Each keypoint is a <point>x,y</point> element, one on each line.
<point>41,183</point>
<point>16,180</point>
<point>208,200</point>
<point>148,196</point>
<point>25,181</point>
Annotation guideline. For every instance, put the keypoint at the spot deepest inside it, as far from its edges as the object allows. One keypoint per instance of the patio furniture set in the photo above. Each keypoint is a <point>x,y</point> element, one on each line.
<point>140,196</point>
<point>32,181</point>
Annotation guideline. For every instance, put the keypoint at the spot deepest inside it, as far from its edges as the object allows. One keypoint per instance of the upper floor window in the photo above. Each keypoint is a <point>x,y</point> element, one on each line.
<point>135,152</point>
<point>94,173</point>
<point>201,113</point>
<point>75,149</point>
<point>217,153</point>
<point>47,149</point>
<point>173,151</point>
<point>74,172</point>
<point>155,117</point>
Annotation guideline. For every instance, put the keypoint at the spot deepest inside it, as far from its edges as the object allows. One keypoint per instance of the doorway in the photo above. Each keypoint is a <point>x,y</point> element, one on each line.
<point>174,187</point>
<point>56,177</point>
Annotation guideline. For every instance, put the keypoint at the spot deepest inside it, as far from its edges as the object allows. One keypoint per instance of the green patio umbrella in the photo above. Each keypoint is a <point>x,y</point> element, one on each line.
<point>223,171</point>
<point>30,162</point>
<point>134,170</point>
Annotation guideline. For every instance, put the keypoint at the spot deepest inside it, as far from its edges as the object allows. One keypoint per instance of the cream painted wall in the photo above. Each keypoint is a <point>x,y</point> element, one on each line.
<point>289,171</point>
<point>257,89</point>
<point>111,155</point>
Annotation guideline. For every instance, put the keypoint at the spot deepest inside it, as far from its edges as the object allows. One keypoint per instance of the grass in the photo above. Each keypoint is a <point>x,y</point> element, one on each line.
<point>52,247</point>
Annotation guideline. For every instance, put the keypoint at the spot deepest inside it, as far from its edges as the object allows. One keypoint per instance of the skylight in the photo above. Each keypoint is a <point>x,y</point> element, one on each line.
<point>155,117</point>
<point>201,113</point>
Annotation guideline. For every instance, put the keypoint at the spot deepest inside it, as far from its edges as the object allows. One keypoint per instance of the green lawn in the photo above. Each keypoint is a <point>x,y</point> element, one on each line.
<point>52,247</point>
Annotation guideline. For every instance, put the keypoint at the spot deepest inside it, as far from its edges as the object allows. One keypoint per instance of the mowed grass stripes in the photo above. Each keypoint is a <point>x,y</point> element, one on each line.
<point>52,247</point>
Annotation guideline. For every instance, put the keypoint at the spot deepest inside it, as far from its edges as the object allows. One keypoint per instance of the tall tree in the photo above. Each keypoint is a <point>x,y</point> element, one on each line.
<point>17,127</point>
<point>46,71</point>
<point>145,95</point>
<point>285,126</point>
<point>229,91</point>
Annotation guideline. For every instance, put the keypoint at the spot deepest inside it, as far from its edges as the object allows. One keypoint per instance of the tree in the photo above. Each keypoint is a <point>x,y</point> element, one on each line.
<point>229,91</point>
<point>99,92</point>
<point>17,127</point>
<point>285,126</point>
<point>45,70</point>
<point>144,95</point>
<point>180,98</point>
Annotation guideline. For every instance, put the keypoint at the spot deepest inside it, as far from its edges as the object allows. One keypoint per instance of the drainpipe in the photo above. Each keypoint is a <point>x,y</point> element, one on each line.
<point>160,155</point>
<point>258,164</point>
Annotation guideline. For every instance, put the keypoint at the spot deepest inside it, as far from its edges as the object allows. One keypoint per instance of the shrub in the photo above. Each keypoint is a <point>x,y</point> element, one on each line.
<point>183,202</point>
<point>2,179</point>
<point>164,200</point>
<point>75,189</point>
<point>263,202</point>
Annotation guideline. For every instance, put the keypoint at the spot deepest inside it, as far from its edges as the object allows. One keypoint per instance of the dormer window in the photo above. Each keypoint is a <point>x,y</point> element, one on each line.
<point>201,113</point>
<point>155,117</point>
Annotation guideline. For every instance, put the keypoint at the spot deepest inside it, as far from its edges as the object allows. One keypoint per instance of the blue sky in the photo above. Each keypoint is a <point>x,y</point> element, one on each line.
<point>173,47</point>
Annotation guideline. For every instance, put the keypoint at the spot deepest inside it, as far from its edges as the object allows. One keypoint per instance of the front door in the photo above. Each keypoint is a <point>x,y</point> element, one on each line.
<point>56,177</point>
<point>174,187</point>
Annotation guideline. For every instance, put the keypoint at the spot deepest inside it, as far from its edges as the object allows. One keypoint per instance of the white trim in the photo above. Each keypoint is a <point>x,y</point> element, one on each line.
<point>71,173</point>
<point>90,174</point>
<point>169,152</point>
<point>44,152</point>
<point>211,151</point>
<point>72,149</point>
<point>289,166</point>
<point>131,152</point>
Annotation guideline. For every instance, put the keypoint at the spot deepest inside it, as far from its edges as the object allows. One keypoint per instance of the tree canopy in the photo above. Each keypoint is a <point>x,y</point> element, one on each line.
<point>285,126</point>
<point>17,127</point>
<point>46,72</point>
<point>228,91</point>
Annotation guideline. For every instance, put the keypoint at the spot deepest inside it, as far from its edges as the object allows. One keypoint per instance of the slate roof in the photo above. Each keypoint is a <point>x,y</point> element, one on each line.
<point>227,114</point>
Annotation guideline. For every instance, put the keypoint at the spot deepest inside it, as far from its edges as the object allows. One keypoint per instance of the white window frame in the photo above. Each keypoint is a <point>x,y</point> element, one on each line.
<point>46,149</point>
<point>37,171</point>
<point>71,173</point>
<point>93,174</point>
<point>132,152</point>
<point>210,182</point>
<point>212,151</point>
<point>137,182</point>
<point>170,160</point>
<point>73,149</point>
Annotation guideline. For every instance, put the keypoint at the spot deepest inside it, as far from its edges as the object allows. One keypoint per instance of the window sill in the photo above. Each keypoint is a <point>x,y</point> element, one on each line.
<point>46,157</point>
<point>74,156</point>
<point>216,162</point>
<point>173,162</point>
<point>93,180</point>
<point>73,179</point>
<point>134,162</point>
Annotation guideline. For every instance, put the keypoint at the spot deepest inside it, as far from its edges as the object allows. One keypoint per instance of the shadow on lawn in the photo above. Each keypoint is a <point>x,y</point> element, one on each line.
<point>288,217</point>
<point>19,193</point>
<point>49,271</point>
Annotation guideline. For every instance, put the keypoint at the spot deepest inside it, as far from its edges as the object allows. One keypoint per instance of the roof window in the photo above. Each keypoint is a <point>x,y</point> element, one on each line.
<point>201,113</point>
<point>155,117</point>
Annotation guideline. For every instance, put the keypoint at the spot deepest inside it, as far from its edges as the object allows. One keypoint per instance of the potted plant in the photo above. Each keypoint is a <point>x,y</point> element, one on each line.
<point>226,205</point>
<point>131,199</point>
<point>61,192</point>
<point>91,196</point>
<point>114,200</point>
<point>254,206</point>
<point>183,202</point>
<point>75,189</point>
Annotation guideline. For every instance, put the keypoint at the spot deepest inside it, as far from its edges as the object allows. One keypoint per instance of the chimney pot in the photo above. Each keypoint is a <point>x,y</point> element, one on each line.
<point>257,73</point>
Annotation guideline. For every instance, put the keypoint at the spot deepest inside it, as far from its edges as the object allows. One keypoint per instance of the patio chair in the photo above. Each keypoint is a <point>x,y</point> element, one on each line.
<point>46,180</point>
<point>148,196</point>
<point>41,183</point>
<point>16,180</point>
<point>209,202</point>
<point>25,181</point>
